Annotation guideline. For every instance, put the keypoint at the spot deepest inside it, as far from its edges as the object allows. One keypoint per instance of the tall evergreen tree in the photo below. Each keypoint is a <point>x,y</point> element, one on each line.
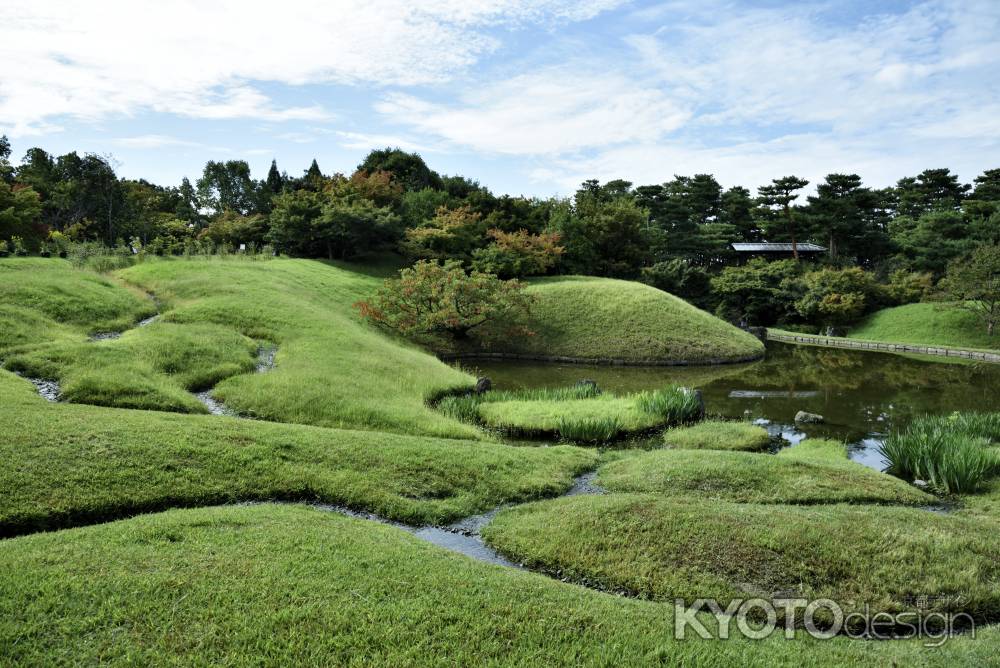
<point>781,193</point>
<point>987,186</point>
<point>931,190</point>
<point>6,171</point>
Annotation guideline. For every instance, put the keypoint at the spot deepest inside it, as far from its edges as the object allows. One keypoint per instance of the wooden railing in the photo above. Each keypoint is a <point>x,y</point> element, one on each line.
<point>858,344</point>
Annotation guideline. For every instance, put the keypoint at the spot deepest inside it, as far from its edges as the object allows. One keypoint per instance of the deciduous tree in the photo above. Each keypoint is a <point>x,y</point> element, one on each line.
<point>430,299</point>
<point>973,283</point>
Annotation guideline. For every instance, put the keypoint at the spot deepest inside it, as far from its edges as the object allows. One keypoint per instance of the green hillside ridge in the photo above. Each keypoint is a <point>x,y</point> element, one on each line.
<point>933,324</point>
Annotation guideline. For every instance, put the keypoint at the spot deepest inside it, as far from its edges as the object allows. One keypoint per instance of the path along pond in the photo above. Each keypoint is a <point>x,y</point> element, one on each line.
<point>861,394</point>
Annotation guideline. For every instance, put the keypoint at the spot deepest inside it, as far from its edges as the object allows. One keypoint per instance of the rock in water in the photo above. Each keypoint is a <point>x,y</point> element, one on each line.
<point>808,418</point>
<point>701,403</point>
<point>483,384</point>
<point>586,382</point>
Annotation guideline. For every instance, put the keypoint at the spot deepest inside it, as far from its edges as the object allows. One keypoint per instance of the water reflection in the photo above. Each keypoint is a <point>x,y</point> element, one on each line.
<point>861,394</point>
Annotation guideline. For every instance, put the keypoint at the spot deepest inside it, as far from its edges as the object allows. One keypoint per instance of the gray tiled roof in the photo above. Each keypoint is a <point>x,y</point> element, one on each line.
<point>777,248</point>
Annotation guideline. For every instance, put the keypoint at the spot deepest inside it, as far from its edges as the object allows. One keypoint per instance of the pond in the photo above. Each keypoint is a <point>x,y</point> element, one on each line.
<point>861,394</point>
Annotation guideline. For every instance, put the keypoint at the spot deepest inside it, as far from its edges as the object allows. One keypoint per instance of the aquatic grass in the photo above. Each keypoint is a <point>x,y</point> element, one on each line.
<point>673,404</point>
<point>591,430</point>
<point>982,425</point>
<point>718,435</point>
<point>944,451</point>
<point>464,407</point>
<point>576,413</point>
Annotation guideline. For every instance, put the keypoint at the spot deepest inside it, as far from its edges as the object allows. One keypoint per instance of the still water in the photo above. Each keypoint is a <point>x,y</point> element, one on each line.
<point>860,394</point>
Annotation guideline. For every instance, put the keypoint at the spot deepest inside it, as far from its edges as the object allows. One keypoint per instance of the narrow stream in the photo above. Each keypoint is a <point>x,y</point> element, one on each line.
<point>464,536</point>
<point>265,362</point>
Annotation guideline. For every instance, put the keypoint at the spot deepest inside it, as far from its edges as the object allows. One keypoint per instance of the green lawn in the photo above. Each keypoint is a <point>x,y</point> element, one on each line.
<point>67,464</point>
<point>332,369</point>
<point>718,435</point>
<point>289,585</point>
<point>154,367</point>
<point>931,324</point>
<point>813,471</point>
<point>350,420</point>
<point>602,318</point>
<point>694,547</point>
<point>45,299</point>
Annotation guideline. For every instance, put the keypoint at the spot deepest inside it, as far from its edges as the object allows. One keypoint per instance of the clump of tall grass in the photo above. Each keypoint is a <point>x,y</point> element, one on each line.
<point>592,422</point>
<point>570,393</point>
<point>591,430</point>
<point>950,453</point>
<point>464,407</point>
<point>100,258</point>
<point>983,425</point>
<point>674,404</point>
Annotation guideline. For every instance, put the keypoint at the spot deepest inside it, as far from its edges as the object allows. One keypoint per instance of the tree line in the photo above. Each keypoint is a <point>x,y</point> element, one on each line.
<point>884,245</point>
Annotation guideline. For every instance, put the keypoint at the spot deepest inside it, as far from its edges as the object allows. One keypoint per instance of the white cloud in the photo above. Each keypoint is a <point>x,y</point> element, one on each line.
<point>363,141</point>
<point>194,58</point>
<point>747,93</point>
<point>553,111</point>
<point>152,141</point>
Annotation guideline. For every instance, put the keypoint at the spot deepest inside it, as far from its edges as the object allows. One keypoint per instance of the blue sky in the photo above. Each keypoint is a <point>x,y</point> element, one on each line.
<point>528,97</point>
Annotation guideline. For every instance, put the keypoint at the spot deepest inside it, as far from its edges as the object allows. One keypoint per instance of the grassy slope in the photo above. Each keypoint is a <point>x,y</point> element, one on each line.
<point>154,367</point>
<point>718,435</point>
<point>693,547</point>
<point>67,464</point>
<point>811,472</point>
<point>929,324</point>
<point>331,369</point>
<point>601,318</point>
<point>268,585</point>
<point>47,299</point>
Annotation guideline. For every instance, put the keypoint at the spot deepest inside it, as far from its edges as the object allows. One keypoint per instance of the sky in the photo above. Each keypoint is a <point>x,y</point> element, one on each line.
<point>528,98</point>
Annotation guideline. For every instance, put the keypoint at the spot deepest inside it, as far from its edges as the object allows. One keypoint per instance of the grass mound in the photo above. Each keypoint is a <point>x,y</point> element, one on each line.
<point>155,367</point>
<point>332,371</point>
<point>290,585</point>
<point>606,319</point>
<point>579,413</point>
<point>929,324</point>
<point>718,435</point>
<point>814,471</point>
<point>666,548</point>
<point>954,454</point>
<point>47,299</point>
<point>68,464</point>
